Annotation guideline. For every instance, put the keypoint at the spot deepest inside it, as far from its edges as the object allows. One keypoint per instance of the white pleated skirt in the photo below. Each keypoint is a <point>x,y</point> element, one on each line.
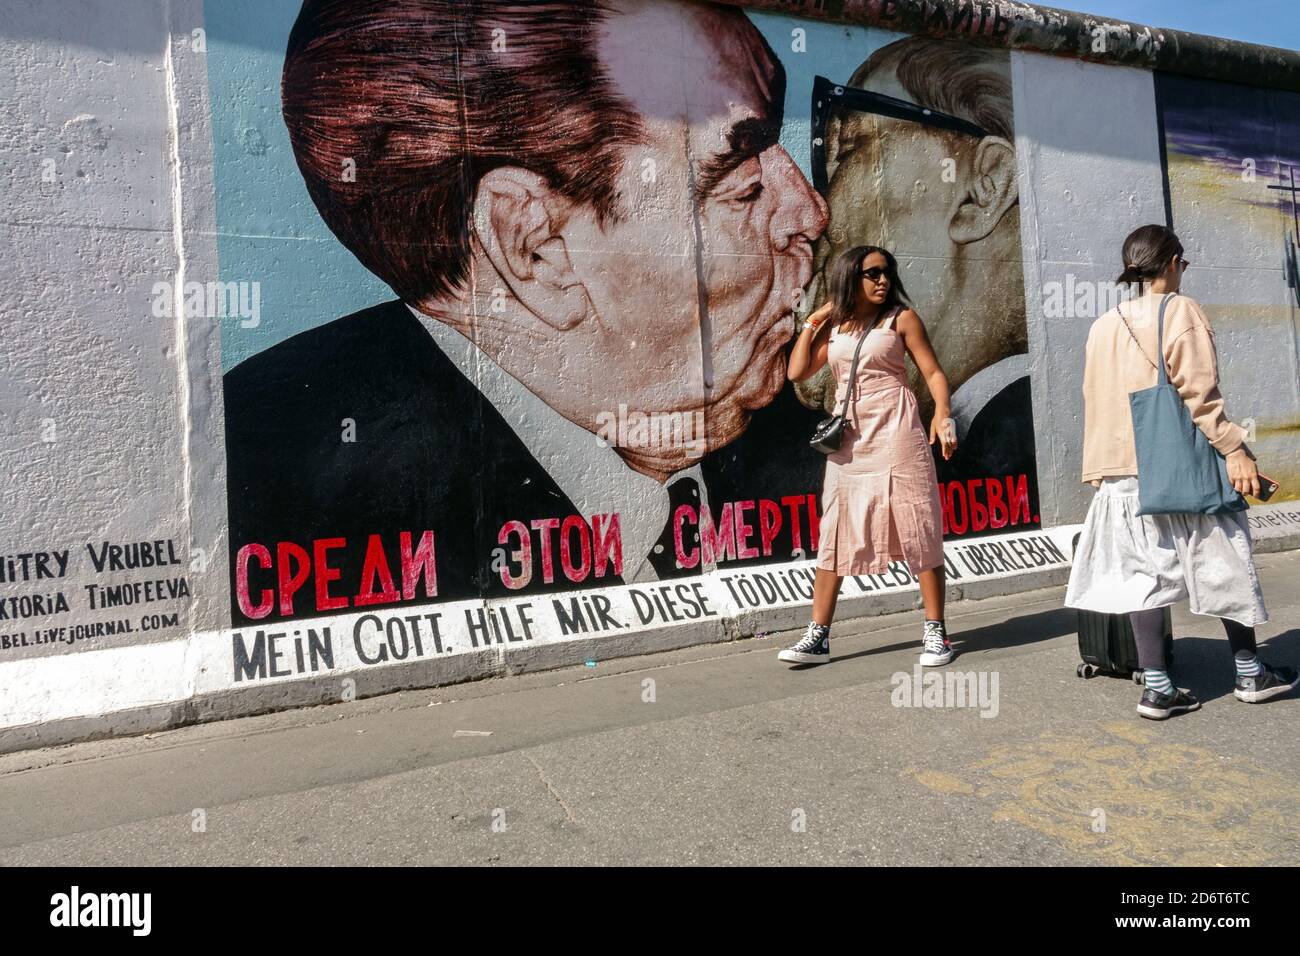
<point>1128,562</point>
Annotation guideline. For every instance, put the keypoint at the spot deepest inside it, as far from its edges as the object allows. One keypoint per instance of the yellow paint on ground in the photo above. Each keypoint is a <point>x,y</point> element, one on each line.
<point>1133,733</point>
<point>940,781</point>
<point>1126,797</point>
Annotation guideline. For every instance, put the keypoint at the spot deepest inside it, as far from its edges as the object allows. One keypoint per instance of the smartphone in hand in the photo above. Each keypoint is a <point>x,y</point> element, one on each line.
<point>1267,488</point>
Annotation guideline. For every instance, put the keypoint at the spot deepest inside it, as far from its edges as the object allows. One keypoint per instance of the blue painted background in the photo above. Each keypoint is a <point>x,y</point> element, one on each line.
<point>268,229</point>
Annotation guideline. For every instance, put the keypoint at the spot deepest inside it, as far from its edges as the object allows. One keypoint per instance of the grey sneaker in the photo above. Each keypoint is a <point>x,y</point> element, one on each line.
<point>935,649</point>
<point>813,648</point>
<point>1269,683</point>
<point>1157,706</point>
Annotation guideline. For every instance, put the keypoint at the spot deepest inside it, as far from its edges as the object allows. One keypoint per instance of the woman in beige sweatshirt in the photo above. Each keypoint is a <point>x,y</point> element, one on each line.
<point>1134,564</point>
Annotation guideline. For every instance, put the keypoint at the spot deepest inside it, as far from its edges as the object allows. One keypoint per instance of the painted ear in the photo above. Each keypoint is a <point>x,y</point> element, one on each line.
<point>515,223</point>
<point>992,190</point>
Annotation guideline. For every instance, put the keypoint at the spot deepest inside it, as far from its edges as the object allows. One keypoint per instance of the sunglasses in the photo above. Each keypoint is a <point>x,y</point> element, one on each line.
<point>827,97</point>
<point>875,274</point>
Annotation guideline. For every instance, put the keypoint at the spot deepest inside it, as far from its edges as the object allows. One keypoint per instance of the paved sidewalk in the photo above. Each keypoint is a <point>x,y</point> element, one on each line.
<point>716,754</point>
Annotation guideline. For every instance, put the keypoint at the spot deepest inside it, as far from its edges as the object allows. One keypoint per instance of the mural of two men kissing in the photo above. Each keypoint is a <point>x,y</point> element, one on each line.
<point>600,250</point>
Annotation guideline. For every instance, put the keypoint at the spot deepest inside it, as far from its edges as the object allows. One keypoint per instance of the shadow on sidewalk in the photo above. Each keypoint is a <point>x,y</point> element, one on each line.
<point>1013,632</point>
<point>1204,664</point>
<point>1016,631</point>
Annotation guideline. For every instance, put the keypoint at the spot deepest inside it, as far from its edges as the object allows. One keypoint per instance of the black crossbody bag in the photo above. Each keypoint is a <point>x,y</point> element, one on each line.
<point>829,433</point>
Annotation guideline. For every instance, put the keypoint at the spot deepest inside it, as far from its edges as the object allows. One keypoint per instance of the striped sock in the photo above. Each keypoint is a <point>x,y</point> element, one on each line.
<point>1248,664</point>
<point>1157,680</point>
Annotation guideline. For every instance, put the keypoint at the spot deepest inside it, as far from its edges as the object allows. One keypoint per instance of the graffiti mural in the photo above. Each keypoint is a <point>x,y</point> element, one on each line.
<point>1232,187</point>
<point>596,267</point>
<point>596,247</point>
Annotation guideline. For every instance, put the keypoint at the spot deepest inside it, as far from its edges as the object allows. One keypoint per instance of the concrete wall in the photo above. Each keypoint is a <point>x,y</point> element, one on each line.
<point>277,300</point>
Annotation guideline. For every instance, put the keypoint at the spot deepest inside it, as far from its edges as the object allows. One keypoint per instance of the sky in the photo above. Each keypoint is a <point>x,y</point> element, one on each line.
<point>1270,22</point>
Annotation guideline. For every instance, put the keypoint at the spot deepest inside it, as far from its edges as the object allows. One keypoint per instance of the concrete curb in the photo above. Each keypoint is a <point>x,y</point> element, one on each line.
<point>1289,541</point>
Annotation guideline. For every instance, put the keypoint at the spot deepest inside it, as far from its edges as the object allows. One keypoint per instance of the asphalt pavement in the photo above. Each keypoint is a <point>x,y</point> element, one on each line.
<point>718,755</point>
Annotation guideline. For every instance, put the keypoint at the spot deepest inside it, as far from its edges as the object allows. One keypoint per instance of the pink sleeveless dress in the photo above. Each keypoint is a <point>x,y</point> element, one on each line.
<point>880,497</point>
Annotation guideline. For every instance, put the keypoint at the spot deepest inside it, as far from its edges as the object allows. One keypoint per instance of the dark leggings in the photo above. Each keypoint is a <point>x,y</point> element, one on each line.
<point>1149,631</point>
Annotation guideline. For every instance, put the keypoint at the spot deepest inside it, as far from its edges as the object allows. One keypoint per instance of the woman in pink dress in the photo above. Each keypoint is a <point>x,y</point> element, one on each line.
<point>880,498</point>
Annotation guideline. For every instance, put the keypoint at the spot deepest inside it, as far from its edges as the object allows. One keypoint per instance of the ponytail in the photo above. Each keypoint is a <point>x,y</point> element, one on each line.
<point>1130,275</point>
<point>1147,252</point>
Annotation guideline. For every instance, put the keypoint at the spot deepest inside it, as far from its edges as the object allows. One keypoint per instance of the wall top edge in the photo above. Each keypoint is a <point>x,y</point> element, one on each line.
<point>1038,29</point>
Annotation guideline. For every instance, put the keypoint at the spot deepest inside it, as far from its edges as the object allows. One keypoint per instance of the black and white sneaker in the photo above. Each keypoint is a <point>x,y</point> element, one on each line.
<point>1269,683</point>
<point>813,648</point>
<point>1158,706</point>
<point>935,648</point>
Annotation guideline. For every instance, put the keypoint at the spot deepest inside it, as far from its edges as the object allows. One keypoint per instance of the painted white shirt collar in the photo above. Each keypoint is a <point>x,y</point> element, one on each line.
<point>593,475</point>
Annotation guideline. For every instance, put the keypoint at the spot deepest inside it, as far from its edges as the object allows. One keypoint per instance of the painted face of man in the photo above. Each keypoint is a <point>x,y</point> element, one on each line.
<point>886,182</point>
<point>939,200</point>
<point>693,287</point>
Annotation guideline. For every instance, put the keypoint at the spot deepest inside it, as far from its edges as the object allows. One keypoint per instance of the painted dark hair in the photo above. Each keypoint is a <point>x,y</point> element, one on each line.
<point>951,76</point>
<point>846,280</point>
<point>1147,252</point>
<point>409,93</point>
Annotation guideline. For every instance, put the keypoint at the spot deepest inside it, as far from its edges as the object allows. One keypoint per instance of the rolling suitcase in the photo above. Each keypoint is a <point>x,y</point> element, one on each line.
<point>1107,646</point>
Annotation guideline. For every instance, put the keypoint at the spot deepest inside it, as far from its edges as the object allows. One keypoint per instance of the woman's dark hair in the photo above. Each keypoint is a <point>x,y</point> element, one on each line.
<point>1147,252</point>
<point>846,281</point>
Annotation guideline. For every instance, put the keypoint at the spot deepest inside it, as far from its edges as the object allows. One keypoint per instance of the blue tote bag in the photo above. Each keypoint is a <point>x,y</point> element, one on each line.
<point>1179,471</point>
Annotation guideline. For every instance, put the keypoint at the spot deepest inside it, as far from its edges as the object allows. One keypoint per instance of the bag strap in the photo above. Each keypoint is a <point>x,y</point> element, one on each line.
<point>1160,338</point>
<point>853,374</point>
<point>853,369</point>
<point>1162,377</point>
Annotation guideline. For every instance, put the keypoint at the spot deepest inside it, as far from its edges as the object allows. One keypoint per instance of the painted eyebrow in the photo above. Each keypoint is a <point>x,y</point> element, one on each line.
<point>745,140</point>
